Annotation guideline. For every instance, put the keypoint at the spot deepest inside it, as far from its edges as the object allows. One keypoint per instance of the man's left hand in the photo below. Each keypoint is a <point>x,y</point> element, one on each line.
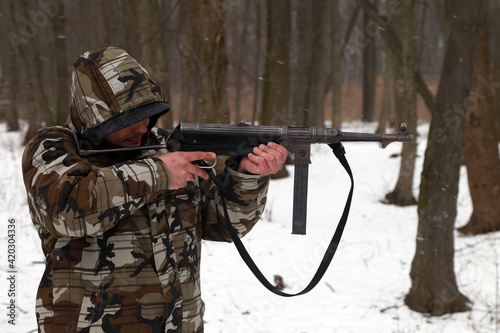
<point>265,160</point>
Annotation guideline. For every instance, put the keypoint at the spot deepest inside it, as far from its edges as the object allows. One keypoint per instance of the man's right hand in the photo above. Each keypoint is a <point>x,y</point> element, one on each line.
<point>180,168</point>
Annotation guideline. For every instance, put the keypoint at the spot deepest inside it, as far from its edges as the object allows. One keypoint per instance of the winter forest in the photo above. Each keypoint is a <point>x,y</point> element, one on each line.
<point>299,63</point>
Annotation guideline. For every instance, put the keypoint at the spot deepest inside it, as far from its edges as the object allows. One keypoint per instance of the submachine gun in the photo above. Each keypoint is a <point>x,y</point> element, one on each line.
<point>238,140</point>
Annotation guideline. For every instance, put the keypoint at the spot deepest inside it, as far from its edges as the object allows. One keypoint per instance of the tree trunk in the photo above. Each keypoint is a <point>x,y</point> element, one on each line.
<point>336,65</point>
<point>443,20</point>
<point>385,105</point>
<point>276,76</point>
<point>9,74</point>
<point>495,28</point>
<point>434,288</point>
<point>301,94</point>
<point>392,39</point>
<point>160,69</point>
<point>61,65</point>
<point>481,148</point>
<point>261,13</point>
<point>369,68</point>
<point>398,91</point>
<point>212,61</point>
<point>308,77</point>
<point>319,11</point>
<point>402,195</point>
<point>184,43</point>
<point>240,48</point>
<point>22,70</point>
<point>36,77</point>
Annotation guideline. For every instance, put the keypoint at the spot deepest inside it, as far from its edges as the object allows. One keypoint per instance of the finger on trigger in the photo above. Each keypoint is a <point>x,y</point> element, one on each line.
<point>201,173</point>
<point>192,169</point>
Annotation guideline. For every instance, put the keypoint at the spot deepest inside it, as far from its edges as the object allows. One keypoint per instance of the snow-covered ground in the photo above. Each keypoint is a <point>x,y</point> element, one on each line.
<point>362,291</point>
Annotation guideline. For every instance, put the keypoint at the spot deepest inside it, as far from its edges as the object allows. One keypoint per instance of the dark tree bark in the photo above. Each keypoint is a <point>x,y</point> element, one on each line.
<point>308,76</point>
<point>22,69</point>
<point>369,67</point>
<point>8,73</point>
<point>402,195</point>
<point>301,99</point>
<point>336,65</point>
<point>318,77</point>
<point>240,51</point>
<point>36,76</point>
<point>61,65</point>
<point>481,148</point>
<point>261,38</point>
<point>434,288</point>
<point>385,105</point>
<point>184,44</point>
<point>441,15</point>
<point>276,76</point>
<point>209,35</point>
<point>495,43</point>
<point>392,39</point>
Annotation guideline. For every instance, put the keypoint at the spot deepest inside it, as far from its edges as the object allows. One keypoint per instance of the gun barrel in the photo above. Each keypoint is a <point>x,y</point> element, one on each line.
<point>384,139</point>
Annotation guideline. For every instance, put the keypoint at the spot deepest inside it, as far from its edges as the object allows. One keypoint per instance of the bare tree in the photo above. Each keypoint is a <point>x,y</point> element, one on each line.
<point>261,42</point>
<point>495,42</point>
<point>318,50</point>
<point>276,76</point>
<point>61,65</point>
<point>385,105</point>
<point>434,288</point>
<point>369,66</point>
<point>391,38</point>
<point>336,75</point>
<point>22,67</point>
<point>481,148</point>
<point>240,50</point>
<point>184,44</point>
<point>308,76</point>
<point>8,73</point>
<point>209,40</point>
<point>301,95</point>
<point>402,195</point>
<point>442,17</point>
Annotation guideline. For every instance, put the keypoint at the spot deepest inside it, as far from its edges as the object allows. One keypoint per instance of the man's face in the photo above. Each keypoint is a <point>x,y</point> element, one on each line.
<point>129,136</point>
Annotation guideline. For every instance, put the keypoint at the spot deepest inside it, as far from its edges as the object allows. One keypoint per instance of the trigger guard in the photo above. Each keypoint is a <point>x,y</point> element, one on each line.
<point>202,164</point>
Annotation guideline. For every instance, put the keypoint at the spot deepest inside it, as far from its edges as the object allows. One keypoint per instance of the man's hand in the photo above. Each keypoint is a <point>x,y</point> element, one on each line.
<point>180,168</point>
<point>265,160</point>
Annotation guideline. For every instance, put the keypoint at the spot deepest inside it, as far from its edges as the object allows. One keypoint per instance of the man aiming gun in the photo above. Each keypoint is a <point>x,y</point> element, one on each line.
<point>121,231</point>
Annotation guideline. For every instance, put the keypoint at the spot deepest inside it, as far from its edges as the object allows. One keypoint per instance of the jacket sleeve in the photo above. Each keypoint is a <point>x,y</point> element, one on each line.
<point>69,198</point>
<point>245,197</point>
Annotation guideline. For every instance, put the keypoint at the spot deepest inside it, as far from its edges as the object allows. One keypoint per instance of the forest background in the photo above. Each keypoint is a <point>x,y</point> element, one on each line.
<point>303,63</point>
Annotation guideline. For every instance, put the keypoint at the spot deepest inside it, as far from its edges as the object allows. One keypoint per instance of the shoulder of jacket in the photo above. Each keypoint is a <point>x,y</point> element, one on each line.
<point>54,131</point>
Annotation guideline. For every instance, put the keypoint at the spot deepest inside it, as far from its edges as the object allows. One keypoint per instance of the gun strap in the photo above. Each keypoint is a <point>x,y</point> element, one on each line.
<point>339,152</point>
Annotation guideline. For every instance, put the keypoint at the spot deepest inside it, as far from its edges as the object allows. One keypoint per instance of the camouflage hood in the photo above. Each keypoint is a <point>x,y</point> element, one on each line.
<point>110,91</point>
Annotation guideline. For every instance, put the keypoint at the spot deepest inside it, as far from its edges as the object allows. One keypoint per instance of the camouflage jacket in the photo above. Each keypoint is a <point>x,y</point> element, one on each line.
<point>122,251</point>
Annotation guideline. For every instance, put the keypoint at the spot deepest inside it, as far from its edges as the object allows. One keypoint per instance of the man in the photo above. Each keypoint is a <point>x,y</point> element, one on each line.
<point>122,232</point>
